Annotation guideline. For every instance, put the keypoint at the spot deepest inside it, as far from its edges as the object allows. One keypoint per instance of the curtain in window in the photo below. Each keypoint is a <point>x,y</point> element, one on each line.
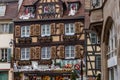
<point>45,53</point>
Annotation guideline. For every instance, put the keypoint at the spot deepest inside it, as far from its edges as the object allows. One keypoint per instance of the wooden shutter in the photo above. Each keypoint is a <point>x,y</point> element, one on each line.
<point>37,29</point>
<point>11,28</point>
<point>62,52</point>
<point>78,27</point>
<point>53,29</point>
<point>61,27</point>
<point>17,31</point>
<point>38,53</point>
<point>32,27</point>
<point>17,53</point>
<point>78,51</point>
<point>32,52</point>
<point>8,54</point>
<point>53,52</point>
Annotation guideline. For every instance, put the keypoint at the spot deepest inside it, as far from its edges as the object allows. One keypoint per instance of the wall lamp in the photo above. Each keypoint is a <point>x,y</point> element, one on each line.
<point>11,43</point>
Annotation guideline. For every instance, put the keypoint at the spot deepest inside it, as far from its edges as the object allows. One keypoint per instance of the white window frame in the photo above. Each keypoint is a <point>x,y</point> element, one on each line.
<point>4,28</point>
<point>25,33</point>
<point>26,53</point>
<point>45,30</point>
<point>69,52</point>
<point>5,54</point>
<point>75,5</point>
<point>112,46</point>
<point>2,10</point>
<point>68,29</point>
<point>45,53</point>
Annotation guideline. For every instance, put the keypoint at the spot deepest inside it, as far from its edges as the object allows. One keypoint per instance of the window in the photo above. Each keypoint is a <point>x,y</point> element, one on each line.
<point>45,30</point>
<point>30,10</point>
<point>94,39</point>
<point>112,46</point>
<point>69,29</point>
<point>45,53</point>
<point>95,3</point>
<point>2,10</point>
<point>98,62</point>
<point>25,31</point>
<point>69,52</point>
<point>6,28</point>
<point>49,8</point>
<point>73,7</point>
<point>5,54</point>
<point>25,53</point>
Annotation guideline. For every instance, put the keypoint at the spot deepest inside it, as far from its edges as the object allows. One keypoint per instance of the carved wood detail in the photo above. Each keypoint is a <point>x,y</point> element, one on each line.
<point>53,52</point>
<point>79,51</point>
<point>78,27</point>
<point>45,62</point>
<point>45,39</point>
<point>17,54</point>
<point>35,53</point>
<point>61,27</point>
<point>53,29</point>
<point>23,63</point>
<point>32,30</point>
<point>62,52</point>
<point>69,37</point>
<point>37,29</point>
<point>26,40</point>
<point>17,31</point>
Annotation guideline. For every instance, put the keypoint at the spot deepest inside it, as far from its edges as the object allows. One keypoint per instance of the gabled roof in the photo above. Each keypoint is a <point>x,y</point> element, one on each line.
<point>10,11</point>
<point>29,2</point>
<point>6,1</point>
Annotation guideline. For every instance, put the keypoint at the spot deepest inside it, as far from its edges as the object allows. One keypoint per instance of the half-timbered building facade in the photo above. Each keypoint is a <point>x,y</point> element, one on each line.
<point>49,40</point>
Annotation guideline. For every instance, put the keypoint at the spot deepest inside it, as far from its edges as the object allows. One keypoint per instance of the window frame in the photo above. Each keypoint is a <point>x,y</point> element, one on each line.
<point>68,52</point>
<point>51,8</point>
<point>25,33</point>
<point>98,62</point>
<point>5,54</point>
<point>25,53</point>
<point>112,44</point>
<point>5,28</point>
<point>45,27</point>
<point>46,52</point>
<point>2,9</point>
<point>69,32</point>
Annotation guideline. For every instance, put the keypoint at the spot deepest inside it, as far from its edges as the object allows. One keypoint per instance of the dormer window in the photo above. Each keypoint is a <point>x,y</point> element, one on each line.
<point>49,8</point>
<point>73,7</point>
<point>29,12</point>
